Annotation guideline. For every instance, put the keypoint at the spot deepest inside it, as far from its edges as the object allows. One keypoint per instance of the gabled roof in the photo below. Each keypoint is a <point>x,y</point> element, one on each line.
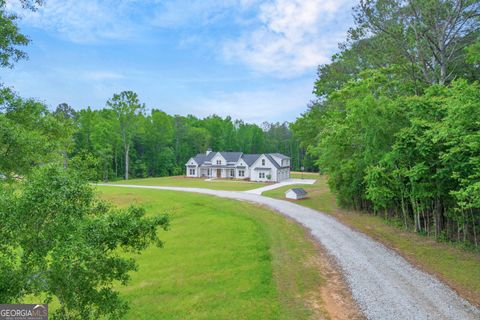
<point>279,155</point>
<point>201,157</point>
<point>298,191</point>
<point>231,156</point>
<point>250,158</point>
<point>269,157</point>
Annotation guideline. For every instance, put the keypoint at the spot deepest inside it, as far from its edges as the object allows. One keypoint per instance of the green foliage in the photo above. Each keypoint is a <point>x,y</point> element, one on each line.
<point>127,111</point>
<point>393,130</point>
<point>473,53</point>
<point>59,241</point>
<point>356,128</point>
<point>29,134</point>
<point>413,157</point>
<point>10,36</point>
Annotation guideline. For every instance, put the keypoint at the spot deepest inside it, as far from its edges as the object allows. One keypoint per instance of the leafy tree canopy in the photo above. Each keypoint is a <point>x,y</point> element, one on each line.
<point>59,241</point>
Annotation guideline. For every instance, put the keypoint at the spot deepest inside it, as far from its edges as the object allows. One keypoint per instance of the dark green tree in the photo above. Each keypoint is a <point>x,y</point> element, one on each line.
<point>126,107</point>
<point>59,241</point>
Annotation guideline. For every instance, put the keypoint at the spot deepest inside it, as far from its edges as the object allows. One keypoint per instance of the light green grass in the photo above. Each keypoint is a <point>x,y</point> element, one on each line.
<point>305,175</point>
<point>223,259</point>
<point>181,181</point>
<point>456,266</point>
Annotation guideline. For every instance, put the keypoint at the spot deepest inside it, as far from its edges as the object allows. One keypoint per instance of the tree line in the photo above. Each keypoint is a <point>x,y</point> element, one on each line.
<point>396,122</point>
<point>123,140</point>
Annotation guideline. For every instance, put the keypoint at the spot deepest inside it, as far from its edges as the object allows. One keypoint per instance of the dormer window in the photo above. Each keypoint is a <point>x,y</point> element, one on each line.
<point>263,162</point>
<point>219,161</point>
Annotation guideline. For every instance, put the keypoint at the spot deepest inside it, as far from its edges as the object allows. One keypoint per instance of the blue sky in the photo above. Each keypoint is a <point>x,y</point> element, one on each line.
<point>252,60</point>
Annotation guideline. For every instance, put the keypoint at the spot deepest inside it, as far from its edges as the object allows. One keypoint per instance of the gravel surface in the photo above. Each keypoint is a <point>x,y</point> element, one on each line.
<point>384,284</point>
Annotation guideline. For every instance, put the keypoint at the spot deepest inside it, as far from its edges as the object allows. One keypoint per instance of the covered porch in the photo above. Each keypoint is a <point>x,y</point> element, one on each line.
<point>218,172</point>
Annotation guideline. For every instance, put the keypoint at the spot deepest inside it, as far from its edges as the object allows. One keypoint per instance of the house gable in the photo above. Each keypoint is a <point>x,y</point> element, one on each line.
<point>280,159</point>
<point>269,162</point>
<point>218,157</point>
<point>241,163</point>
<point>191,162</point>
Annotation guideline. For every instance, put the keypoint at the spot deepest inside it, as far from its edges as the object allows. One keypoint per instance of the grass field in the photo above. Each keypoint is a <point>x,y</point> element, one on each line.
<point>457,267</point>
<point>223,259</point>
<point>181,181</point>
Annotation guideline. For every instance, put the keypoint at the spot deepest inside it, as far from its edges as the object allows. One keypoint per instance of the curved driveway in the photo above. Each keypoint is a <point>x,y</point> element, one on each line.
<point>384,284</point>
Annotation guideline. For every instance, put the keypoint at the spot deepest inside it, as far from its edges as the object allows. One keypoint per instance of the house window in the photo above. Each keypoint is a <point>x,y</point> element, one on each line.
<point>192,172</point>
<point>232,173</point>
<point>263,162</point>
<point>208,172</point>
<point>241,173</point>
<point>261,175</point>
<point>219,161</point>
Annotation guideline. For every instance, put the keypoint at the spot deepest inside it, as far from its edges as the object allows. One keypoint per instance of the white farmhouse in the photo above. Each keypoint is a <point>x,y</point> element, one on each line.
<point>273,167</point>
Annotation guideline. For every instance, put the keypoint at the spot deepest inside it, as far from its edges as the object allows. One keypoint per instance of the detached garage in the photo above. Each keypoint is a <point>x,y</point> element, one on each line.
<point>296,194</point>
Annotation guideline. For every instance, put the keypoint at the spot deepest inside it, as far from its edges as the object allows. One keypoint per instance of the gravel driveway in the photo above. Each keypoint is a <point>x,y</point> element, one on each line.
<point>384,284</point>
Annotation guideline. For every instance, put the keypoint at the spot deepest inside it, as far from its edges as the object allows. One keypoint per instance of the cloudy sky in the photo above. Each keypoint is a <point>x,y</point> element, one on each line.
<point>252,60</point>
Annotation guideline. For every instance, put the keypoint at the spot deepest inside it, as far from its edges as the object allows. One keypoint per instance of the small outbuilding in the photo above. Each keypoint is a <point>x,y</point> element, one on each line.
<point>296,194</point>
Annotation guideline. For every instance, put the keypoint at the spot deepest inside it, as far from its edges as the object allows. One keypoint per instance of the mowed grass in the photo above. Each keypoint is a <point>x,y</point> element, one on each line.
<point>222,259</point>
<point>456,266</point>
<point>182,181</point>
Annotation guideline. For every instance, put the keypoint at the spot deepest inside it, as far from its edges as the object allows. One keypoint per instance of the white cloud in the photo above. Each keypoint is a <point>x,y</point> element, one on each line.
<point>82,21</point>
<point>89,21</point>
<point>292,36</point>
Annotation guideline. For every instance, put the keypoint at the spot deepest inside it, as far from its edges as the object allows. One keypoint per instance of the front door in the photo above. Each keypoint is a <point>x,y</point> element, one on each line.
<point>219,173</point>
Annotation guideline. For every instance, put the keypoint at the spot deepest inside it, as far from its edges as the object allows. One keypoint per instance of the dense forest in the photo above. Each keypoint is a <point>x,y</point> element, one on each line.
<point>104,142</point>
<point>396,123</point>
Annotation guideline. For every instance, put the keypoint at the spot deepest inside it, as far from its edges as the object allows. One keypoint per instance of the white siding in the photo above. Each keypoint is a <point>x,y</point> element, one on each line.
<point>192,168</point>
<point>270,174</point>
<point>292,195</point>
<point>255,174</point>
<point>219,157</point>
<point>245,170</point>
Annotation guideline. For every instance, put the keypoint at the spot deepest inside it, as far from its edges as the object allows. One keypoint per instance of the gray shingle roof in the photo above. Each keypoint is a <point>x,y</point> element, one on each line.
<point>202,157</point>
<point>235,156</point>
<point>279,155</point>
<point>231,156</point>
<point>250,158</point>
<point>299,191</point>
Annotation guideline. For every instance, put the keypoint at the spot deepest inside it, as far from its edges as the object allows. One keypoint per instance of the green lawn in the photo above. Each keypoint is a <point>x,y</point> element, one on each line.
<point>181,181</point>
<point>456,266</point>
<point>305,175</point>
<point>223,259</point>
